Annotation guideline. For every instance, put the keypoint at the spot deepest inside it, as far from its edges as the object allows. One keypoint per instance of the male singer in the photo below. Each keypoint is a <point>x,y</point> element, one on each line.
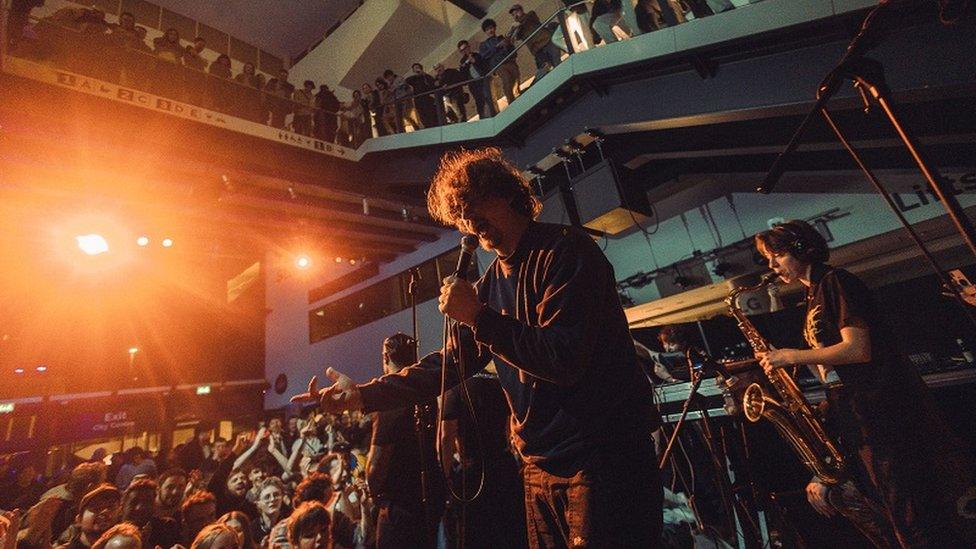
<point>547,311</point>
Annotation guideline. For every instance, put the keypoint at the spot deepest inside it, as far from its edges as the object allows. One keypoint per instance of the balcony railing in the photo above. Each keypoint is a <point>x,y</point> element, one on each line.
<point>85,52</point>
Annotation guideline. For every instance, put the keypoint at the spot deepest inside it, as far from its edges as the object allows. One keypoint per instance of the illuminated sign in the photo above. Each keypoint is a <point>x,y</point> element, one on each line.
<point>203,390</point>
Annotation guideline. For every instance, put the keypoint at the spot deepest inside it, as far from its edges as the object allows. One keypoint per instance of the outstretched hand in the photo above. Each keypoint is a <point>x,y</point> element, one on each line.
<point>339,397</point>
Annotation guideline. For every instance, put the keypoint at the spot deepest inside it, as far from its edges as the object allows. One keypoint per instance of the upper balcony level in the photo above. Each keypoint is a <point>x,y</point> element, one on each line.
<point>225,82</point>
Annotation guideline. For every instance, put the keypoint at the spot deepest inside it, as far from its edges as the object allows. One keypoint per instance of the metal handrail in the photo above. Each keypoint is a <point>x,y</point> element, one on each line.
<point>504,60</point>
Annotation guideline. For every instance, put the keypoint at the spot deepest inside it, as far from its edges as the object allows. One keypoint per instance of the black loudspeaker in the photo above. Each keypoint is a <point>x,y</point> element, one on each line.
<point>604,203</point>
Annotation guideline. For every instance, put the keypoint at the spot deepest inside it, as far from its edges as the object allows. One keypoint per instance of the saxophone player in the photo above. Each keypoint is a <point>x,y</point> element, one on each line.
<point>878,408</point>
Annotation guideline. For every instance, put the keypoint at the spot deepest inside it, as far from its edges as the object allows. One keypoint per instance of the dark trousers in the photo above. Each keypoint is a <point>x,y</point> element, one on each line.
<point>481,92</point>
<point>614,501</point>
<point>398,527</point>
<point>914,486</point>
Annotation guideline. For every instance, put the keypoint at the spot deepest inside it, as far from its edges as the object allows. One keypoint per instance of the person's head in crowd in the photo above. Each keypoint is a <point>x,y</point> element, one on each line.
<point>356,96</point>
<point>417,68</point>
<point>98,511</point>
<point>489,27</point>
<point>172,36</point>
<point>224,59</point>
<point>248,68</point>
<point>139,501</point>
<point>241,524</point>
<point>255,474</point>
<point>316,487</point>
<point>141,32</point>
<point>791,248</point>
<point>99,454</point>
<point>333,465</point>
<point>216,536</point>
<point>221,449</point>
<point>309,86</point>
<point>389,76</point>
<point>271,496</point>
<point>481,193</point>
<point>516,12</point>
<point>199,510</point>
<point>237,483</point>
<point>464,47</point>
<point>127,21</point>
<point>203,435</point>
<point>199,44</point>
<point>293,420</point>
<point>121,536</point>
<point>84,477</point>
<point>275,424</point>
<point>172,486</point>
<point>366,88</point>
<point>381,84</point>
<point>439,69</point>
<point>675,338</point>
<point>309,527</point>
<point>282,77</point>
<point>399,351</point>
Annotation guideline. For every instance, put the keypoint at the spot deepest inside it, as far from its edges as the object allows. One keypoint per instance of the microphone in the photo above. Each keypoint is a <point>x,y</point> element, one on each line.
<point>469,243</point>
<point>699,359</point>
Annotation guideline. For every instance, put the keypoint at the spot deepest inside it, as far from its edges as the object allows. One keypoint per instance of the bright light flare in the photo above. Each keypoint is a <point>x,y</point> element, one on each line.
<point>133,350</point>
<point>167,243</point>
<point>92,243</point>
<point>143,241</point>
<point>303,262</point>
<point>41,368</point>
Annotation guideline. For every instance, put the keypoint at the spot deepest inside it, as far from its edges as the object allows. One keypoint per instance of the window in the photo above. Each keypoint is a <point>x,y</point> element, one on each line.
<point>381,299</point>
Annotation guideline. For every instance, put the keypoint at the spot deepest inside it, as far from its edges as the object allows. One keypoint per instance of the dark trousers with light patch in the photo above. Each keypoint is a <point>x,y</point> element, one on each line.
<point>614,501</point>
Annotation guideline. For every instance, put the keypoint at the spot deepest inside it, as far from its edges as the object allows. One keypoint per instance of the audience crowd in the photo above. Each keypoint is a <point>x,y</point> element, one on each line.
<point>82,40</point>
<point>296,483</point>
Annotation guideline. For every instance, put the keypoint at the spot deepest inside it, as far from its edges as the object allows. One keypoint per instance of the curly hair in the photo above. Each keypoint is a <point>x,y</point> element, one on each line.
<point>315,487</point>
<point>466,177</point>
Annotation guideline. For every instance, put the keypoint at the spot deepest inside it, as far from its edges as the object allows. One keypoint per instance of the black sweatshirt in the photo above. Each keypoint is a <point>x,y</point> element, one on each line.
<point>554,325</point>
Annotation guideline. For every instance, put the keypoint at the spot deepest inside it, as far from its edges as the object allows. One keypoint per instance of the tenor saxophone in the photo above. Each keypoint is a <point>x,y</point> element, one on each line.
<point>791,415</point>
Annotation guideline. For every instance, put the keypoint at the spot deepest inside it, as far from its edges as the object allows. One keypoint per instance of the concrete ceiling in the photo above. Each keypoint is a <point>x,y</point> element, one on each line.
<point>282,28</point>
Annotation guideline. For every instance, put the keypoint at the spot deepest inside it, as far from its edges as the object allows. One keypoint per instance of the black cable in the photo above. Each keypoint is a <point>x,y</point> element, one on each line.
<point>466,397</point>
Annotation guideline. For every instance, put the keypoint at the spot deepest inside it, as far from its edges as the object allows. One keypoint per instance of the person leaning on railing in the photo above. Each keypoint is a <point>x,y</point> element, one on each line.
<point>326,107</point>
<point>248,99</point>
<point>545,53</point>
<point>455,97</point>
<point>496,49</point>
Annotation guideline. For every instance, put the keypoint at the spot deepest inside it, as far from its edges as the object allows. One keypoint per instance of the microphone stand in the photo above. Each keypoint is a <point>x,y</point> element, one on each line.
<point>868,77</point>
<point>725,486</point>
<point>421,414</point>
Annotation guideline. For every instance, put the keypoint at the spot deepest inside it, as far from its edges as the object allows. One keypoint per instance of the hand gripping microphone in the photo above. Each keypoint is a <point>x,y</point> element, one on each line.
<point>469,243</point>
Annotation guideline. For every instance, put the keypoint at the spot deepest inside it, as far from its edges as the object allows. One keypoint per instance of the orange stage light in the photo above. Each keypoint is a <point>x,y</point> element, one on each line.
<point>303,262</point>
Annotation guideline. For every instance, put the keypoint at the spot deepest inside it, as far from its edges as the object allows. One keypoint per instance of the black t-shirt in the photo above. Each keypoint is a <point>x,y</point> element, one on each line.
<point>876,401</point>
<point>492,415</point>
<point>395,431</point>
